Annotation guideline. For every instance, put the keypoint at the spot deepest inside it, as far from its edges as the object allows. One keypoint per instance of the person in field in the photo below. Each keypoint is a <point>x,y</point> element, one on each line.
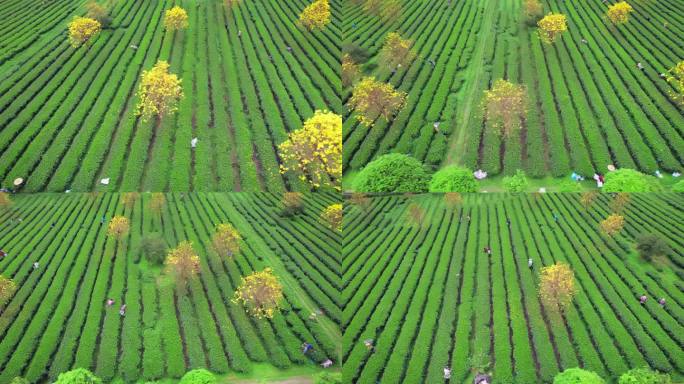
<point>327,363</point>
<point>3,254</point>
<point>369,344</point>
<point>447,373</point>
<point>481,378</point>
<point>110,302</point>
<point>488,250</point>
<point>35,265</point>
<point>642,299</point>
<point>122,310</point>
<point>529,263</point>
<point>306,347</point>
<point>662,302</point>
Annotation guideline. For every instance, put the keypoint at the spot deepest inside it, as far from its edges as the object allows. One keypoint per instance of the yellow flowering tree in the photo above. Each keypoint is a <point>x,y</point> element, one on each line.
<point>128,199</point>
<point>551,26</point>
<point>618,13</point>
<point>505,106</point>
<point>388,10</point>
<point>613,224</point>
<point>229,5</point>
<point>620,201</point>
<point>183,264</point>
<point>5,200</point>
<point>82,30</point>
<point>676,80</point>
<point>532,10</point>
<point>293,203</point>
<point>157,202</point>
<point>98,12</point>
<point>372,99</point>
<point>452,200</point>
<point>416,214</point>
<point>350,70</point>
<point>7,289</point>
<point>396,51</point>
<point>314,152</point>
<point>588,198</point>
<point>332,217</point>
<point>158,92</point>
<point>557,286</point>
<point>175,19</point>
<point>360,201</point>
<point>226,240</point>
<point>261,293</point>
<point>118,227</point>
<point>316,15</point>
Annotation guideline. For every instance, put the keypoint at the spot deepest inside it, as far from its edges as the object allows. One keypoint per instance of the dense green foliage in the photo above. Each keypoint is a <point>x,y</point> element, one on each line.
<point>59,318</point>
<point>644,376</point>
<point>453,179</point>
<point>328,378</point>
<point>153,246</point>
<point>430,297</point>
<point>198,376</point>
<point>392,173</point>
<point>678,187</point>
<point>629,180</point>
<point>78,376</point>
<point>577,376</point>
<point>516,183</point>
<point>651,245</point>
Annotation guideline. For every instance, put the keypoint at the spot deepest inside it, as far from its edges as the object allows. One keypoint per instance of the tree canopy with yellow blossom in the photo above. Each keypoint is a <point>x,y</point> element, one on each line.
<point>314,152</point>
<point>613,224</point>
<point>82,30</point>
<point>332,217</point>
<point>372,99</point>
<point>260,293</point>
<point>505,106</point>
<point>350,70</point>
<point>316,15</point>
<point>532,10</point>
<point>552,26</point>
<point>183,264</point>
<point>5,200</point>
<point>676,79</point>
<point>175,19</point>
<point>118,227</point>
<point>588,198</point>
<point>618,13</point>
<point>128,199</point>
<point>157,202</point>
<point>557,286</point>
<point>7,289</point>
<point>158,92</point>
<point>396,51</point>
<point>226,240</point>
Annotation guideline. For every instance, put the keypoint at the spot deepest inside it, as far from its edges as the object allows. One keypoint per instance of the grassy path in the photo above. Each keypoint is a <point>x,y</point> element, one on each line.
<point>468,97</point>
